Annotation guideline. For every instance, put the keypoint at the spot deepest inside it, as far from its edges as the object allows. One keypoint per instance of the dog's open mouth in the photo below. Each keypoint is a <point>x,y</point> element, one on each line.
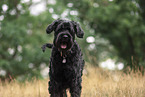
<point>63,46</point>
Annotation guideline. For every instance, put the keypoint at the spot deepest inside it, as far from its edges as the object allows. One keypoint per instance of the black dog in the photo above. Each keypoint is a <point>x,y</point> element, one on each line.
<point>66,62</point>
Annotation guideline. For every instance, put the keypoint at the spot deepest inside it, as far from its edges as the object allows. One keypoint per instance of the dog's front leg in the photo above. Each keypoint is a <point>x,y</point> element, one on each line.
<point>75,90</point>
<point>55,90</point>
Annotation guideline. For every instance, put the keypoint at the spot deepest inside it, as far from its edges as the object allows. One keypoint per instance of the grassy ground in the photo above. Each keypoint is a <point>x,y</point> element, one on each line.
<point>96,83</point>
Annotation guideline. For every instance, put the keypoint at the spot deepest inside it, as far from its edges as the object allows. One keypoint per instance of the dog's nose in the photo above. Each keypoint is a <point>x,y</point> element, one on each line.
<point>65,36</point>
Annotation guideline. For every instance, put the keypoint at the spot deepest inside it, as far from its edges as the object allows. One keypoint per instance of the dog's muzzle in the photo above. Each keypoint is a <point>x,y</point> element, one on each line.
<point>64,42</point>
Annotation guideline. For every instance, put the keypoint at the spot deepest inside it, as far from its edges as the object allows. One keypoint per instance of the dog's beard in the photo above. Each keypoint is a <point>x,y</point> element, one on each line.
<point>64,45</point>
<point>63,41</point>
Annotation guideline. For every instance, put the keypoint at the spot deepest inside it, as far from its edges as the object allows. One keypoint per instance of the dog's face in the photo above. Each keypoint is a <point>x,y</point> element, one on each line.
<point>64,33</point>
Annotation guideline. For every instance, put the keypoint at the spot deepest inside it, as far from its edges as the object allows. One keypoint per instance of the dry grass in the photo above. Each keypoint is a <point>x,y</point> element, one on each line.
<point>96,83</point>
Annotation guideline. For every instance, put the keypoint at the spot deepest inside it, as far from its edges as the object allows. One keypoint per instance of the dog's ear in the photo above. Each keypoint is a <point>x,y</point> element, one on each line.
<point>78,30</point>
<point>52,26</point>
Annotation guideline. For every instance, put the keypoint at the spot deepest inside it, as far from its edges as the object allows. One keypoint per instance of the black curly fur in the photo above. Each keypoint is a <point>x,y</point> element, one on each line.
<point>46,45</point>
<point>65,75</point>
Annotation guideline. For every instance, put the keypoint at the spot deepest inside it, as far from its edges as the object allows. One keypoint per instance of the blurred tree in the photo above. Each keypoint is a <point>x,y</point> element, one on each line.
<point>119,21</point>
<point>22,34</point>
<point>21,38</point>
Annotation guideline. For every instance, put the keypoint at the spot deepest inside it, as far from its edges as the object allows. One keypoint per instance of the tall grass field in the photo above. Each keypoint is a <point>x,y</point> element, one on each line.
<point>96,83</point>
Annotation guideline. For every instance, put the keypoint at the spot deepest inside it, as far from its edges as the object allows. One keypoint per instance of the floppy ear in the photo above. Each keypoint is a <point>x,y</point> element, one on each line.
<point>52,26</point>
<point>78,30</point>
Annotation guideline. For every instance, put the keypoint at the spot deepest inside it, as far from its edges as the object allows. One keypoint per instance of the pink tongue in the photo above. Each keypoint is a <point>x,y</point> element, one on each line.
<point>63,46</point>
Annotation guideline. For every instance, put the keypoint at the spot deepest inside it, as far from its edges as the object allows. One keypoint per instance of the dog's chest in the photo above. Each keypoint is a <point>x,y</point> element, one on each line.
<point>64,72</point>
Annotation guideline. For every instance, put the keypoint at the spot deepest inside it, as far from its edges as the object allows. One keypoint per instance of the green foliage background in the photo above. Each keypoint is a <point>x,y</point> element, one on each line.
<point>118,27</point>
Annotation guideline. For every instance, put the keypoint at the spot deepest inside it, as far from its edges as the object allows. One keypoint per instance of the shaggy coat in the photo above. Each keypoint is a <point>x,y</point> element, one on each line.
<point>66,62</point>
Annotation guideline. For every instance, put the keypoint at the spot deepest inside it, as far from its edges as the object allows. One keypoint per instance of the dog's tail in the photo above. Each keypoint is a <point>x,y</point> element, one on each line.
<point>46,45</point>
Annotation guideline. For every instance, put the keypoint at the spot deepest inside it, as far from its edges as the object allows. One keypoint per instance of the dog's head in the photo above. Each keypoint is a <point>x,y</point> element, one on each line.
<point>64,33</point>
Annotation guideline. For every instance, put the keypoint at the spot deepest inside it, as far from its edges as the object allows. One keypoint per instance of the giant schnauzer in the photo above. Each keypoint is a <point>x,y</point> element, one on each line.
<point>66,62</point>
